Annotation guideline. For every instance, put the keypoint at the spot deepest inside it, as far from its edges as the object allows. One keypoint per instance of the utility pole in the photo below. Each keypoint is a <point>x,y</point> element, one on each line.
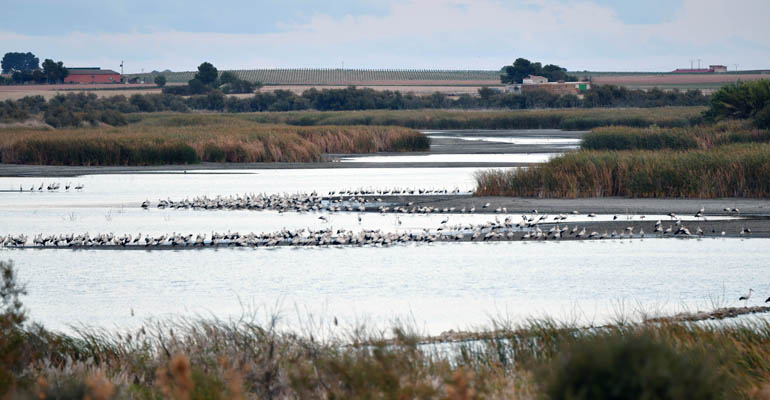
<point>691,61</point>
<point>699,63</point>
<point>736,67</point>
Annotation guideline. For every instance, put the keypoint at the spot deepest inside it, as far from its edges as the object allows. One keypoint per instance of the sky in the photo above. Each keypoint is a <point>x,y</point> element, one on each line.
<point>597,35</point>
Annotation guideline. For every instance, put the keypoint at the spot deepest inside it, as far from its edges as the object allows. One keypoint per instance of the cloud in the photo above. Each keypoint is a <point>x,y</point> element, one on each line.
<point>465,34</point>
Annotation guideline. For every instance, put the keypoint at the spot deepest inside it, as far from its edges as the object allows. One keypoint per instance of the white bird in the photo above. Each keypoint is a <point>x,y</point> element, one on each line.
<point>746,297</point>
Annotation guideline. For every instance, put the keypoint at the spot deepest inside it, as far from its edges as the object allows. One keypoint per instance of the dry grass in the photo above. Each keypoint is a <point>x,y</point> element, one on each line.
<point>518,119</point>
<point>217,360</point>
<point>654,138</point>
<point>725,171</point>
<point>190,138</point>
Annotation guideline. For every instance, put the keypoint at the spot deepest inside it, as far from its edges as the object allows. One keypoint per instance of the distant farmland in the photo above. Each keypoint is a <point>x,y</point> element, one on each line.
<point>387,77</point>
<point>396,79</point>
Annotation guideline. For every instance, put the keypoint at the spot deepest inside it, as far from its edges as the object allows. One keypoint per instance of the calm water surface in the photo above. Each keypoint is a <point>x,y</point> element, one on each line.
<point>439,286</point>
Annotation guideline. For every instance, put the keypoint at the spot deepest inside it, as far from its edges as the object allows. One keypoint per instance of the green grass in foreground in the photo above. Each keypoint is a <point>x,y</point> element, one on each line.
<point>740,170</point>
<point>571,119</point>
<point>191,138</point>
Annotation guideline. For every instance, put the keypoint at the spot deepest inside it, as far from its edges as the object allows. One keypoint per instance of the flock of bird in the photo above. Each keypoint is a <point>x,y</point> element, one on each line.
<point>52,187</point>
<point>531,227</point>
<point>394,192</point>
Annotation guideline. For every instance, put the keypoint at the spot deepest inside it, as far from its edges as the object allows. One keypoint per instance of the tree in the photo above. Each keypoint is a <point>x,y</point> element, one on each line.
<point>742,100</point>
<point>197,86</point>
<point>54,72</point>
<point>522,68</point>
<point>160,80</point>
<point>207,74</point>
<point>227,77</point>
<point>13,62</point>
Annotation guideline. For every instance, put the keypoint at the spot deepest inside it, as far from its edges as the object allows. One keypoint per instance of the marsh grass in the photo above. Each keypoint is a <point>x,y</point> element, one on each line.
<point>572,119</point>
<point>740,170</point>
<point>241,359</point>
<point>187,139</point>
<point>656,138</point>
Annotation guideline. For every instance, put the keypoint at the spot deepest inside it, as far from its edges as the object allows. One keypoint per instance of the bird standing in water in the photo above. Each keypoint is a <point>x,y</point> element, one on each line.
<point>746,297</point>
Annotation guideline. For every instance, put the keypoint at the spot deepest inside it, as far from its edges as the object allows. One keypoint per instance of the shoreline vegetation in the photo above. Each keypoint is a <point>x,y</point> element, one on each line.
<point>741,170</point>
<point>728,155</point>
<point>189,139</point>
<point>244,358</point>
<point>566,119</point>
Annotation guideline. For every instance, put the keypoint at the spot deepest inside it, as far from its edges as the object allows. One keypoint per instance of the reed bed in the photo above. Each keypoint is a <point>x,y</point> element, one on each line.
<point>741,170</point>
<point>187,139</point>
<point>656,138</point>
<point>243,359</point>
<point>571,119</point>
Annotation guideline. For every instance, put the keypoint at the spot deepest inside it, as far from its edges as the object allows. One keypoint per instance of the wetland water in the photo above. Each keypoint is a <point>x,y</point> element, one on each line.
<point>436,286</point>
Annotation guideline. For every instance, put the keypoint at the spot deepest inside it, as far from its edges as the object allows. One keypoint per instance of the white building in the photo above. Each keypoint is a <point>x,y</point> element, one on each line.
<point>535,80</point>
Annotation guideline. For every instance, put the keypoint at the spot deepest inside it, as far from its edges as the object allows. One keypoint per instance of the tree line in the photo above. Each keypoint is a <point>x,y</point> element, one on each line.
<point>26,68</point>
<point>63,110</point>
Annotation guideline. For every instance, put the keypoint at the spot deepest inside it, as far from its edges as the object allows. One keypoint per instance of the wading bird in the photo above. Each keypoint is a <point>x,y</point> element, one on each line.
<point>746,297</point>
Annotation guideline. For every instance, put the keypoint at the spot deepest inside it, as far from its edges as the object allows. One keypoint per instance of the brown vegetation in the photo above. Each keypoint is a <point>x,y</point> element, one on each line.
<point>726,171</point>
<point>184,139</point>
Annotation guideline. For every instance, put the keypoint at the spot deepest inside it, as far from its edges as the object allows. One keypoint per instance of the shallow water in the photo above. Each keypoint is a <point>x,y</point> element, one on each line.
<point>439,286</point>
<point>436,286</point>
<point>132,189</point>
<point>451,158</point>
<point>515,140</point>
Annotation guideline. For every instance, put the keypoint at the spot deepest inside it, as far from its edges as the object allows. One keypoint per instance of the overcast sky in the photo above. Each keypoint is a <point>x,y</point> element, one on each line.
<point>634,35</point>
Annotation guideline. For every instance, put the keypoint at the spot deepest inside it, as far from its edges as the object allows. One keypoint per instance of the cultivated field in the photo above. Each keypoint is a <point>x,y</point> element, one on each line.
<point>672,81</point>
<point>346,76</point>
<point>49,91</point>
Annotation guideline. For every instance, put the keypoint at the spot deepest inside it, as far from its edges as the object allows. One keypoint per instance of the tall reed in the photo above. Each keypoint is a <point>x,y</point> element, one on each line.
<point>572,119</point>
<point>657,138</point>
<point>193,138</point>
<point>741,170</point>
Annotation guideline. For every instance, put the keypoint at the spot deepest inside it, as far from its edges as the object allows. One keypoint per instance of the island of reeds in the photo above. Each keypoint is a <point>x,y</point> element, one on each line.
<point>727,155</point>
<point>192,138</point>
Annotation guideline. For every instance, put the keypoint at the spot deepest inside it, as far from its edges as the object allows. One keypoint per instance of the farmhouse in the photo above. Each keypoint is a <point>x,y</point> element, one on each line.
<point>535,83</point>
<point>92,75</point>
<point>534,80</point>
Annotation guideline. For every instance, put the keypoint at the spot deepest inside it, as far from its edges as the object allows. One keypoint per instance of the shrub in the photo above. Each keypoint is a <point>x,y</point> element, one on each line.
<point>742,100</point>
<point>59,117</point>
<point>634,366</point>
<point>112,117</point>
<point>12,316</point>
